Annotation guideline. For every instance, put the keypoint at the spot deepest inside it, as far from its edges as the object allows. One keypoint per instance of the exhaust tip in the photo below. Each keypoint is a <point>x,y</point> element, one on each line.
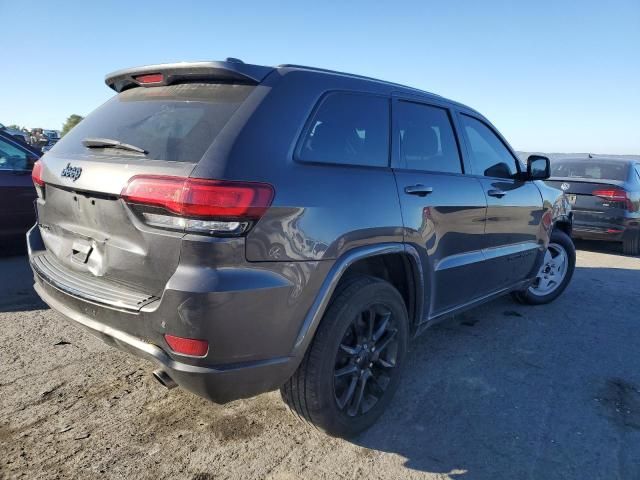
<point>164,379</point>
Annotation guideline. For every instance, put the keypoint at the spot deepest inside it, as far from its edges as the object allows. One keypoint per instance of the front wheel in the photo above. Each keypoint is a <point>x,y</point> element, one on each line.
<point>554,274</point>
<point>352,367</point>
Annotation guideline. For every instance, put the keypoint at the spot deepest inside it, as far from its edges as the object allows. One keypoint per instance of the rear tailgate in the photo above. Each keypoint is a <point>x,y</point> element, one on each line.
<point>91,235</point>
<point>88,228</point>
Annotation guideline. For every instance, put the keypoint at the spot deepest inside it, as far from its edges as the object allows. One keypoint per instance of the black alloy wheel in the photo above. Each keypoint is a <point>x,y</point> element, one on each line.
<point>365,361</point>
<point>352,367</point>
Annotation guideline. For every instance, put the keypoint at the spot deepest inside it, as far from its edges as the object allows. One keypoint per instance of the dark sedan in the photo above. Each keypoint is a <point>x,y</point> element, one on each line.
<point>605,198</point>
<point>17,213</point>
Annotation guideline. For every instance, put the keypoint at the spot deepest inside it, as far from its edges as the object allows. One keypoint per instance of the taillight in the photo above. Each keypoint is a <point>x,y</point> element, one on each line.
<point>36,174</point>
<point>149,78</point>
<point>195,204</point>
<point>187,346</point>
<point>615,195</point>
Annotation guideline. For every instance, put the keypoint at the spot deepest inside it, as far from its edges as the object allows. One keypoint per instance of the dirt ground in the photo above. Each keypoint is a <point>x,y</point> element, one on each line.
<point>504,391</point>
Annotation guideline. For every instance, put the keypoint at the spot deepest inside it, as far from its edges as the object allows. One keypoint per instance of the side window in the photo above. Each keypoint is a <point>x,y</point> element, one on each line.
<point>489,156</point>
<point>349,129</point>
<point>637,168</point>
<point>13,158</point>
<point>425,138</point>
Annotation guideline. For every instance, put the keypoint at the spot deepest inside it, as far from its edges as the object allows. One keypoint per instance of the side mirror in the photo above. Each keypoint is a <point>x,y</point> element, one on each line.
<point>538,167</point>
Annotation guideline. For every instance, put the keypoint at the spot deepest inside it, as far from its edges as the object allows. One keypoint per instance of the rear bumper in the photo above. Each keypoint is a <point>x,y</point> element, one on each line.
<point>242,361</point>
<point>613,231</point>
<point>586,233</point>
<point>219,384</point>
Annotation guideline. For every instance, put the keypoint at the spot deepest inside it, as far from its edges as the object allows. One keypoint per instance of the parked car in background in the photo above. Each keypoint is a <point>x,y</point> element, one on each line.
<point>249,228</point>
<point>48,146</point>
<point>52,135</point>
<point>17,212</point>
<point>19,134</point>
<point>605,198</point>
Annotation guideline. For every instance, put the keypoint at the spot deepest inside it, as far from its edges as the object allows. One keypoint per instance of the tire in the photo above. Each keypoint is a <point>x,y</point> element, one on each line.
<point>559,241</point>
<point>315,395</point>
<point>631,244</point>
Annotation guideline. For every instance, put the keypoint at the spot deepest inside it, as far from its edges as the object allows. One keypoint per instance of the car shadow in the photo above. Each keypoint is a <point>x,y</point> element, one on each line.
<point>513,391</point>
<point>16,291</point>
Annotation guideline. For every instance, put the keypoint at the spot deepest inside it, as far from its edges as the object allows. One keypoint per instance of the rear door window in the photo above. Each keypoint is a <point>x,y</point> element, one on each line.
<point>489,156</point>
<point>176,123</point>
<point>425,138</point>
<point>348,129</point>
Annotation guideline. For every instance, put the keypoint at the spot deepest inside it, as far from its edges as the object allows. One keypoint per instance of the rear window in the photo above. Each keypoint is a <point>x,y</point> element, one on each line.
<point>350,129</point>
<point>176,123</point>
<point>590,170</point>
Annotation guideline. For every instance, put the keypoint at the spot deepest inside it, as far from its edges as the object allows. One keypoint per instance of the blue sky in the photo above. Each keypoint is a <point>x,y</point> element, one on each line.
<point>552,76</point>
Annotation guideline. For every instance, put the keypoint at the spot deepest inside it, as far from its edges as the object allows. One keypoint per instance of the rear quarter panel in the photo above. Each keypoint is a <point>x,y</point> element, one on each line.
<point>319,211</point>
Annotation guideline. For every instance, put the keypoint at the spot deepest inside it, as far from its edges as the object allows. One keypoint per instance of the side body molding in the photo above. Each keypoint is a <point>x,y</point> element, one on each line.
<point>319,306</point>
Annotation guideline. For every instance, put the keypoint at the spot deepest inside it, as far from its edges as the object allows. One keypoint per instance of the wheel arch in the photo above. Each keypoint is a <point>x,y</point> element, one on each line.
<point>564,223</point>
<point>362,260</point>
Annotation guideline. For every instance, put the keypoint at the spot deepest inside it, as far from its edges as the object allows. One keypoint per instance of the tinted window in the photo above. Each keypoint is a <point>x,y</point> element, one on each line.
<point>489,156</point>
<point>426,139</point>
<point>14,158</point>
<point>590,169</point>
<point>176,123</point>
<point>349,129</point>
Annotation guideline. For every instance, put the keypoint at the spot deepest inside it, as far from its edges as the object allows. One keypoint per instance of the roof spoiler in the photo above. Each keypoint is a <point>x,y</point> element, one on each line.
<point>232,70</point>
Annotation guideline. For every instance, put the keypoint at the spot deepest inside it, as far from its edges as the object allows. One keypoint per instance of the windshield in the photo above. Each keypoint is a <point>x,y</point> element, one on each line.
<point>590,170</point>
<point>177,123</point>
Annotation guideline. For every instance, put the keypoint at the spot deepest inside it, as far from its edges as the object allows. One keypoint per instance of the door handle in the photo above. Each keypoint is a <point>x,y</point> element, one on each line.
<point>419,190</point>
<point>496,193</point>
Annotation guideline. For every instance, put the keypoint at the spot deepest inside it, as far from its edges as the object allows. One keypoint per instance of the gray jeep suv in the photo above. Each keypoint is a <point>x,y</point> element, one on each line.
<point>249,228</point>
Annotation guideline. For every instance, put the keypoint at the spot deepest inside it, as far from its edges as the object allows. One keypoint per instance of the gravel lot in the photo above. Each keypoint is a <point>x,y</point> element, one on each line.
<point>504,391</point>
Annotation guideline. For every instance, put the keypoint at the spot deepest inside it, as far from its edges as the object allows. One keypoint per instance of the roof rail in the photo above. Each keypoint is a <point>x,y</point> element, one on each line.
<point>232,70</point>
<point>353,75</point>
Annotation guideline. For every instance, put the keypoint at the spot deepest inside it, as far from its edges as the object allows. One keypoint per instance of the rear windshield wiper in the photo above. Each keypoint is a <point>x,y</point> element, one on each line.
<point>110,143</point>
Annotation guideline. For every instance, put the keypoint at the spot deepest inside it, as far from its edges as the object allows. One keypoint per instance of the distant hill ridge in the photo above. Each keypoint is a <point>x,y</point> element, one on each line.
<point>559,156</point>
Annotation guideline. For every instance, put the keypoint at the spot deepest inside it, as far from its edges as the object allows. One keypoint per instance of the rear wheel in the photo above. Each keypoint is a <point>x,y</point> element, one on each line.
<point>554,274</point>
<point>352,367</point>
<point>631,244</point>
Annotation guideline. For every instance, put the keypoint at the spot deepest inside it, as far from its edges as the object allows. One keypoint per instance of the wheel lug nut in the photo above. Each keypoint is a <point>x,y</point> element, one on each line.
<point>371,365</point>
